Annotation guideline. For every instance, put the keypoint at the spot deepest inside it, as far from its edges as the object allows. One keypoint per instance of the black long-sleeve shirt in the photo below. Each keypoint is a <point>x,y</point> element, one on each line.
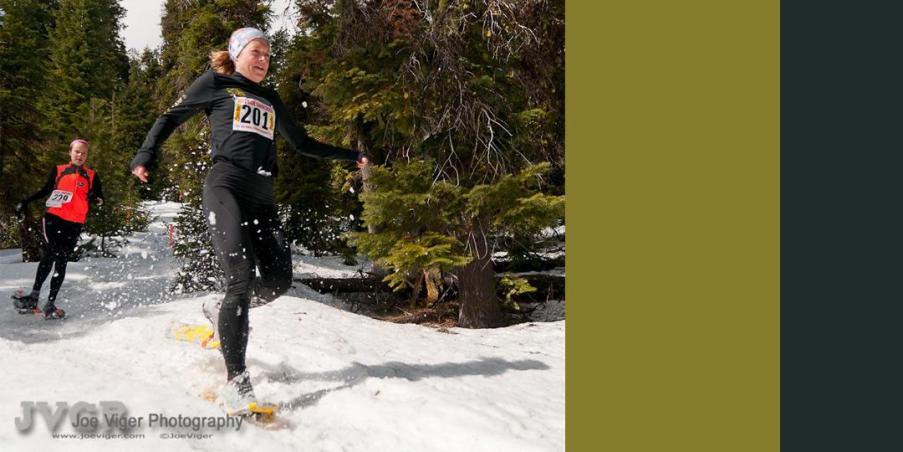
<point>96,191</point>
<point>243,116</point>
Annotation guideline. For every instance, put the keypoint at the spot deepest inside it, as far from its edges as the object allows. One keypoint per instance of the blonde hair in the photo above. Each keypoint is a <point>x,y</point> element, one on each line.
<point>221,62</point>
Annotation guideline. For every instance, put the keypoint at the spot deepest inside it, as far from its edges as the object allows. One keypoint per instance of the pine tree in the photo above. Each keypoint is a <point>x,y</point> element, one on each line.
<point>24,49</point>
<point>118,126</point>
<point>24,53</point>
<point>120,214</point>
<point>88,65</point>
<point>316,212</point>
<point>87,61</point>
<point>136,112</point>
<point>454,82</point>
<point>426,227</point>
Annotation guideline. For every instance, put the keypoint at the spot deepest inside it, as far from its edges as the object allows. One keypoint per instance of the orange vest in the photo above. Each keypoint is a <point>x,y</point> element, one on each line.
<point>77,181</point>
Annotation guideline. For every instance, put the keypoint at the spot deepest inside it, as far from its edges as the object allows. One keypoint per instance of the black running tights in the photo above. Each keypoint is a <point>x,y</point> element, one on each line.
<point>248,239</point>
<point>60,238</point>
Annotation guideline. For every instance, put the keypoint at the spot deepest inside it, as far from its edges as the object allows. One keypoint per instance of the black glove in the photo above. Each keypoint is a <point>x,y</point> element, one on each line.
<point>20,208</point>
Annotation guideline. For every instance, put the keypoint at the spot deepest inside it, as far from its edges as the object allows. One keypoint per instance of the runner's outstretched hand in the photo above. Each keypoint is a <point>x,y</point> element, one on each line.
<point>363,160</point>
<point>141,173</point>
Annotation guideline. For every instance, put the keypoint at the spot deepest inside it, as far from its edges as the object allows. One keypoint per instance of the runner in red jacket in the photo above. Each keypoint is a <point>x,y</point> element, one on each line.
<point>71,189</point>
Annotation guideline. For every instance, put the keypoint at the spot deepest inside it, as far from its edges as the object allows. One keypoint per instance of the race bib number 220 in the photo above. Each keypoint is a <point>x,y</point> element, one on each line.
<point>252,115</point>
<point>58,198</point>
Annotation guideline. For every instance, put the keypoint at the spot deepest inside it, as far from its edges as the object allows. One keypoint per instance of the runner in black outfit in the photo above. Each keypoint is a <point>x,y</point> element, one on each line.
<point>71,187</point>
<point>238,190</point>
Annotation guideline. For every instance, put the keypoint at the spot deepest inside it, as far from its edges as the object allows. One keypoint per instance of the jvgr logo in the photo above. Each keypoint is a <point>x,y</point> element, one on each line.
<point>84,417</point>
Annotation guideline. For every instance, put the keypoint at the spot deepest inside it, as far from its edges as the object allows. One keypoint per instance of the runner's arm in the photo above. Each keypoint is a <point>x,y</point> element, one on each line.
<point>96,192</point>
<point>197,97</point>
<point>300,141</point>
<point>45,190</point>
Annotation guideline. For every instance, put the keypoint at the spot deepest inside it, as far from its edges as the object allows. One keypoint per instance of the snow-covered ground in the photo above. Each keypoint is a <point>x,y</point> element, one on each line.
<point>326,267</point>
<point>354,383</point>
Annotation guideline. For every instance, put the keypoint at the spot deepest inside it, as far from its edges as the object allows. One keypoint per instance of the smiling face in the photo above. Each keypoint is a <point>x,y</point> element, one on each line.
<point>78,153</point>
<point>254,60</point>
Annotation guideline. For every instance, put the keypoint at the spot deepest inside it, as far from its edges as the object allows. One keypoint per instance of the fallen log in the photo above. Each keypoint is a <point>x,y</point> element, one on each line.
<point>333,285</point>
<point>547,286</point>
<point>502,266</point>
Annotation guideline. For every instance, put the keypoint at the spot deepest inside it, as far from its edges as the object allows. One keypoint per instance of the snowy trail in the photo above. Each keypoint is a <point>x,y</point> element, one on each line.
<point>354,383</point>
<point>96,290</point>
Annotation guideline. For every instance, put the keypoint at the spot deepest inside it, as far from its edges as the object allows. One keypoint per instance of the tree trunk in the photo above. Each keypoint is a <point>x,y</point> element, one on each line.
<point>415,291</point>
<point>2,148</point>
<point>431,279</point>
<point>502,266</point>
<point>547,286</point>
<point>357,131</point>
<point>476,285</point>
<point>365,179</point>
<point>345,285</point>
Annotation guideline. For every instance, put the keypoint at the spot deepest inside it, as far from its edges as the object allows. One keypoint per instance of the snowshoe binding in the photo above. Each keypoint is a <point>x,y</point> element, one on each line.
<point>237,397</point>
<point>51,312</point>
<point>25,304</point>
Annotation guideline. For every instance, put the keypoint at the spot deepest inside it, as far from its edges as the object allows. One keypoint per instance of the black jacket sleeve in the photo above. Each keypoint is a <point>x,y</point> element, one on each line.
<point>45,190</point>
<point>197,97</point>
<point>96,191</point>
<point>299,140</point>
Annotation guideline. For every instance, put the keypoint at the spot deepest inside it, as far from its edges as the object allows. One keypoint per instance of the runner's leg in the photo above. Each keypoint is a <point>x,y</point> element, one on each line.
<point>233,248</point>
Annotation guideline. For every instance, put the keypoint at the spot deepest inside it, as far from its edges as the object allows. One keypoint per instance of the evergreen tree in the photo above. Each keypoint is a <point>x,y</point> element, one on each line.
<point>426,227</point>
<point>87,61</point>
<point>454,82</point>
<point>88,66</point>
<point>316,212</point>
<point>120,214</point>
<point>24,53</point>
<point>24,50</point>
<point>118,126</point>
<point>136,111</point>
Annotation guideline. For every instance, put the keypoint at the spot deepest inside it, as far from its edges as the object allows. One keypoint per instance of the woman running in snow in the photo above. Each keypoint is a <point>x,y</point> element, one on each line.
<point>71,188</point>
<point>238,191</point>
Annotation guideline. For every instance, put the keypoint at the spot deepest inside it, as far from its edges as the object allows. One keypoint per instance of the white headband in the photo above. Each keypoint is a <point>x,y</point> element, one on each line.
<point>241,37</point>
<point>79,140</point>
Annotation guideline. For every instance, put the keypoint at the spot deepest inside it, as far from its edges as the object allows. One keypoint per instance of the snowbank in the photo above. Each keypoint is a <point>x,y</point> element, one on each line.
<point>349,382</point>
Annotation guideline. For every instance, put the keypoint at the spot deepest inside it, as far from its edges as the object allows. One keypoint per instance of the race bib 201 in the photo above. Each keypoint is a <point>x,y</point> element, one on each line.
<point>58,198</point>
<point>252,115</point>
